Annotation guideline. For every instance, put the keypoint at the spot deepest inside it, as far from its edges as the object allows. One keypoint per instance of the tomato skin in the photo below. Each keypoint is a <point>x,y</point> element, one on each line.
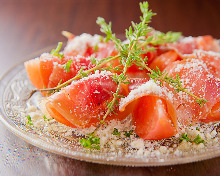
<point>152,120</point>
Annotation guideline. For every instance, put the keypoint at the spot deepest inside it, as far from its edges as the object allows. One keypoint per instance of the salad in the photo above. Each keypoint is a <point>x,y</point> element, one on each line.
<point>152,93</point>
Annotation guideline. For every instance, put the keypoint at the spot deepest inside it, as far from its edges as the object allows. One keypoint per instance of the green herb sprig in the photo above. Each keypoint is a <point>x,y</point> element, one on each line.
<point>66,66</point>
<point>91,142</point>
<point>130,54</point>
<point>45,118</point>
<point>128,133</point>
<point>197,140</point>
<point>56,51</point>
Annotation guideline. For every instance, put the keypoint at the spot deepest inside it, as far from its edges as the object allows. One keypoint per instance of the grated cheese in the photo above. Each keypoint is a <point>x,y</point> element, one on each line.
<point>81,43</point>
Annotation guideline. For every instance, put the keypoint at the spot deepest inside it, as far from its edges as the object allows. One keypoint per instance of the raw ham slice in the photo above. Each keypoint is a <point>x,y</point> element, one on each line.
<point>40,69</point>
<point>163,60</point>
<point>197,78</point>
<point>84,102</point>
<point>212,60</point>
<point>188,44</point>
<point>154,116</point>
<point>87,45</point>
<point>48,70</point>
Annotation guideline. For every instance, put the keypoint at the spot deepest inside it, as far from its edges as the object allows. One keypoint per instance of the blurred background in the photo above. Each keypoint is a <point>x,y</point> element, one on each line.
<point>27,26</point>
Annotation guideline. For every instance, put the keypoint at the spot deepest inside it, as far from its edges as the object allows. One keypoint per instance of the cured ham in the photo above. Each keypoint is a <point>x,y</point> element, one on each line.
<point>154,115</point>
<point>48,70</point>
<point>157,109</point>
<point>212,60</point>
<point>196,76</point>
<point>187,45</point>
<point>84,102</point>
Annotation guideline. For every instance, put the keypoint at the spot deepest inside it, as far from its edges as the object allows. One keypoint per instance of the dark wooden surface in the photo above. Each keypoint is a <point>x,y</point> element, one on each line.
<point>27,26</point>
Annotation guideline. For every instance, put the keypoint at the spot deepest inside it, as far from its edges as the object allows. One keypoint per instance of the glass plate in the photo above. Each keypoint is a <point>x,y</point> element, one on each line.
<point>14,86</point>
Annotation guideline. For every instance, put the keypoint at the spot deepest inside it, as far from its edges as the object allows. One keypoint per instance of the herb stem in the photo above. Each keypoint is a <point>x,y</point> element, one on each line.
<point>200,101</point>
<point>110,108</point>
<point>78,76</point>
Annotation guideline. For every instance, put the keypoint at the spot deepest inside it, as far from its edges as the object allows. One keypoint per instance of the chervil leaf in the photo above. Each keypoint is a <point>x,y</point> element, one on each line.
<point>198,140</point>
<point>184,137</point>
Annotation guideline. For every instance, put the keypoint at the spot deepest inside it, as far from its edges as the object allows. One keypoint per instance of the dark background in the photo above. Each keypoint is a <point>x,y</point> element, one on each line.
<point>30,25</point>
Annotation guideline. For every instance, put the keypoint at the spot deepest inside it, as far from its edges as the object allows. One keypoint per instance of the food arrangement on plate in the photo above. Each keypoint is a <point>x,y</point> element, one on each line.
<point>153,94</point>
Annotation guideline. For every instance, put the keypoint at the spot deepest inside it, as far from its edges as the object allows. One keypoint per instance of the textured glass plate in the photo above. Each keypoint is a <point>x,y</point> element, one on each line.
<point>14,88</point>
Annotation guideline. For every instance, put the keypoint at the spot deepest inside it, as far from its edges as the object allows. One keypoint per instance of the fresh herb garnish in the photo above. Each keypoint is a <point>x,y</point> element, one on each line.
<point>129,133</point>
<point>91,142</point>
<point>29,120</point>
<point>56,51</point>
<point>67,65</point>
<point>184,137</point>
<point>197,140</point>
<point>116,132</point>
<point>139,42</point>
<point>45,118</point>
<point>96,48</point>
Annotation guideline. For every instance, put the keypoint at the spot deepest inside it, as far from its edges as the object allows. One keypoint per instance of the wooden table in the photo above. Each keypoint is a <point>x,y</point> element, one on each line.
<point>27,26</point>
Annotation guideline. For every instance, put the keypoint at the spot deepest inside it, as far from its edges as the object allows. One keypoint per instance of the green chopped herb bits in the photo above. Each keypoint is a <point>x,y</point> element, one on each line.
<point>116,132</point>
<point>29,120</point>
<point>91,142</point>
